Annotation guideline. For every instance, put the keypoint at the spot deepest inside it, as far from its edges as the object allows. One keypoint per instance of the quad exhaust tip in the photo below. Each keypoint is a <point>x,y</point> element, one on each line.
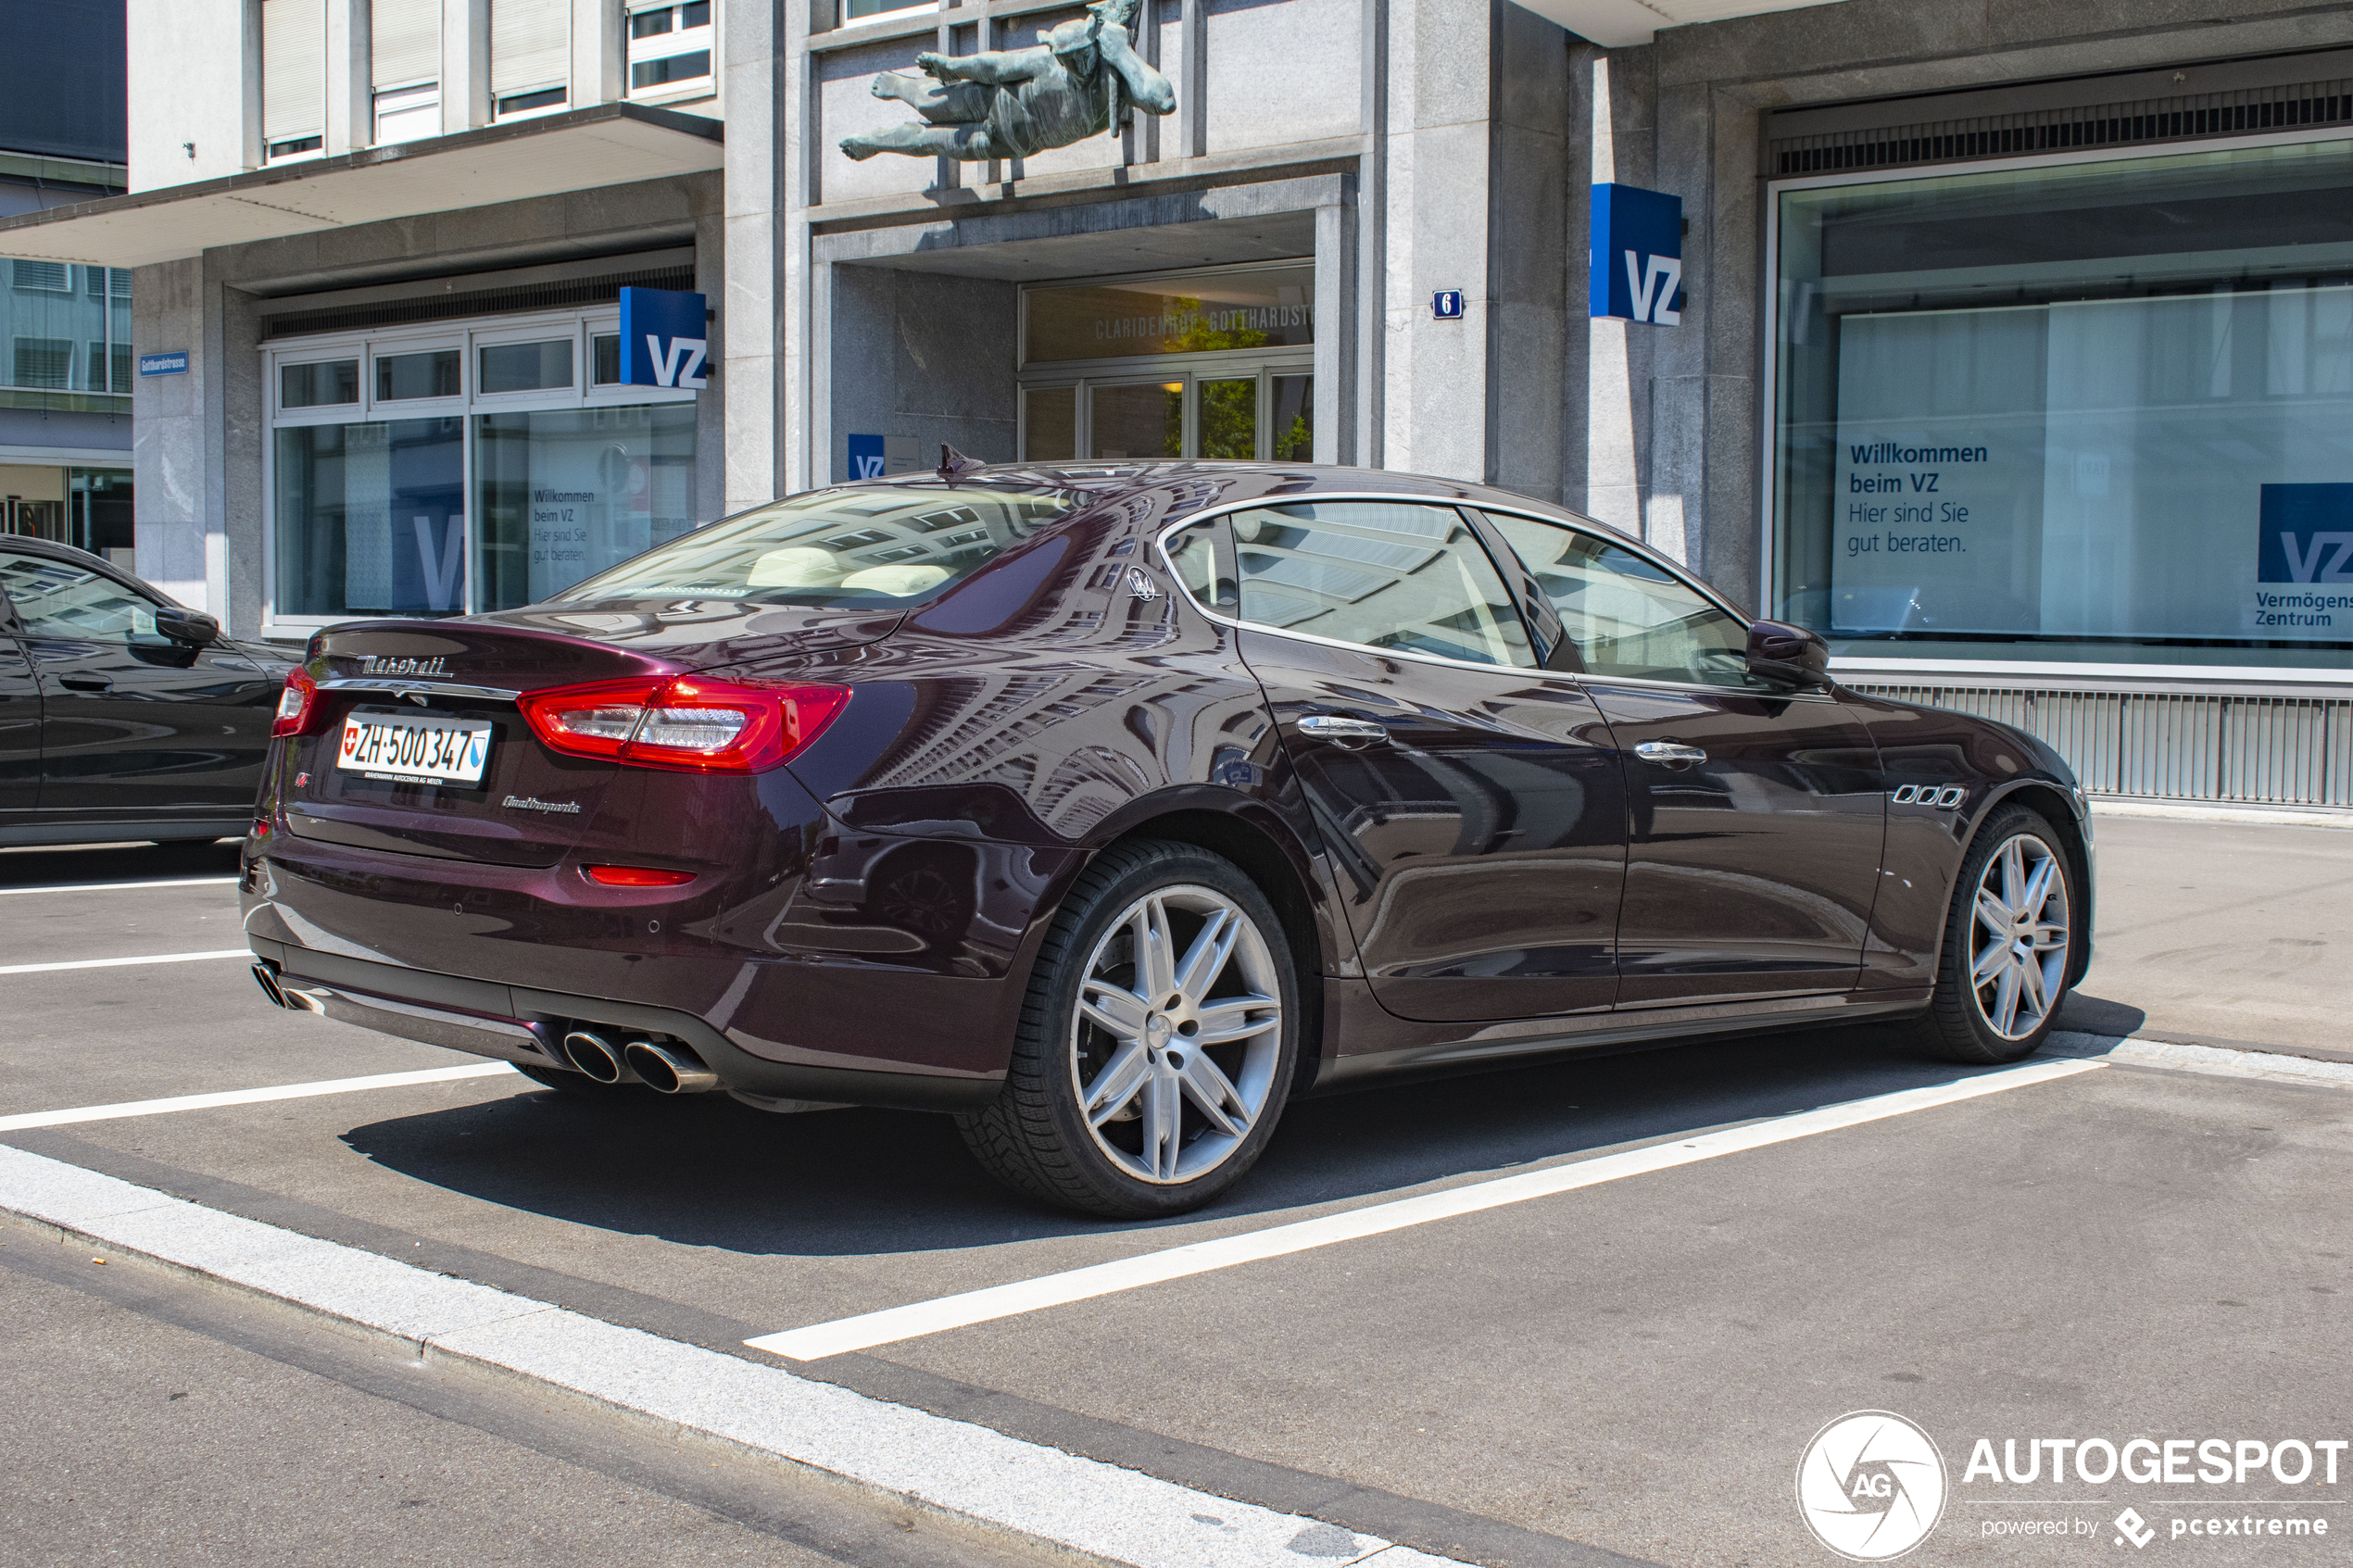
<point>669,1069</point>
<point>593,1055</point>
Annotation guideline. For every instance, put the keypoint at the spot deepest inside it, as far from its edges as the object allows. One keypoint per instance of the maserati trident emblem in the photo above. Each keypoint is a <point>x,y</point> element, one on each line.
<point>1140,585</point>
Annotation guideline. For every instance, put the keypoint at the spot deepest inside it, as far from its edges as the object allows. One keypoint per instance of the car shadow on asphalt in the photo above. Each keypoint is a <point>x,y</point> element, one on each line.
<point>705,1171</point>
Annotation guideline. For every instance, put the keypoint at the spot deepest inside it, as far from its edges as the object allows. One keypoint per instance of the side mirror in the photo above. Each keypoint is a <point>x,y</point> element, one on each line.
<point>191,626</point>
<point>1787,656</point>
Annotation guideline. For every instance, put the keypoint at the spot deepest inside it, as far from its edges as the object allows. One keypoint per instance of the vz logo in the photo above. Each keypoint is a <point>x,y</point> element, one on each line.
<point>1140,586</point>
<point>2305,534</point>
<point>1944,799</point>
<point>680,363</point>
<point>1653,288</point>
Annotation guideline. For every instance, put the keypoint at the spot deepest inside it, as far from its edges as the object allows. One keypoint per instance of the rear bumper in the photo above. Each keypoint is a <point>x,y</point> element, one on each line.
<point>526,1025</point>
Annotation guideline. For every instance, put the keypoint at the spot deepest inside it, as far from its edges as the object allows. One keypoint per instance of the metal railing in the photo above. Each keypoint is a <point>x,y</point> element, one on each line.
<point>2255,750</point>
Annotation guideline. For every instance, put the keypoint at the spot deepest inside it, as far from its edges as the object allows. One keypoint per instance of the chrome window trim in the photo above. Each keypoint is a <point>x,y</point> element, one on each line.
<point>393,686</point>
<point>1579,524</point>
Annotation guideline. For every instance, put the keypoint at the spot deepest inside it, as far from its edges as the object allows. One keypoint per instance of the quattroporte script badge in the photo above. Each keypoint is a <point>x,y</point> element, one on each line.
<point>533,803</point>
<point>1870,1485</point>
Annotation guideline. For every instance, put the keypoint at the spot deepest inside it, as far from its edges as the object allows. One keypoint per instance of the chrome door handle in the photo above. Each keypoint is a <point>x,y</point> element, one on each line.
<point>1324,726</point>
<point>1672,753</point>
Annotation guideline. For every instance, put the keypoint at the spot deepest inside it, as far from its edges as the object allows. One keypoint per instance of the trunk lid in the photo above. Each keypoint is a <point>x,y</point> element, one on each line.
<point>533,805</point>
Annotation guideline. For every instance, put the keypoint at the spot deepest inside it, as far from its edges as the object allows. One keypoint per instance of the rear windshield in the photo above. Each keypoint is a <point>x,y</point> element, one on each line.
<point>838,547</point>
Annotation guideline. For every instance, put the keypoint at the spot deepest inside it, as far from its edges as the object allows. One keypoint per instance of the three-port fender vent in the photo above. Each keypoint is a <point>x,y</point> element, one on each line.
<point>1803,142</point>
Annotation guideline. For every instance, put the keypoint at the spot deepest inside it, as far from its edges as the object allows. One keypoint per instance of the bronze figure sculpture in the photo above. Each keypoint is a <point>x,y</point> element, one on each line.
<point>1079,78</point>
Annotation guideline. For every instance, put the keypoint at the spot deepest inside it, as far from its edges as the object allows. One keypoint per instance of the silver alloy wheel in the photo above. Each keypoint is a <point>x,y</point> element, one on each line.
<point>2018,959</point>
<point>1176,1036</point>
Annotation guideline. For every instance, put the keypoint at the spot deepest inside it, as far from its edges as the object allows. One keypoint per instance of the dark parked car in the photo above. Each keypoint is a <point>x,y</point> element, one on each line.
<point>1109,808</point>
<point>122,715</point>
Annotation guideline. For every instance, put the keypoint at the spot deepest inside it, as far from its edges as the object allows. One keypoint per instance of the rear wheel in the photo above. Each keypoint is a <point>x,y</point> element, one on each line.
<point>2009,940</point>
<point>1156,1044</point>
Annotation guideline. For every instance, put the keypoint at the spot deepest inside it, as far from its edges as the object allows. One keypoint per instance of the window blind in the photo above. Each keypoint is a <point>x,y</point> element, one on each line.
<point>404,43</point>
<point>294,69</point>
<point>530,45</point>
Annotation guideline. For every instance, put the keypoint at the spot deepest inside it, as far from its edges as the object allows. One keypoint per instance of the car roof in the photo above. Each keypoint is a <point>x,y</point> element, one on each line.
<point>1205,481</point>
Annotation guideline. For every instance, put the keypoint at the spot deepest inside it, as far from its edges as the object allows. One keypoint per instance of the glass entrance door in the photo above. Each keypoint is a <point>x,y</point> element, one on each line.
<point>1250,413</point>
<point>1135,420</point>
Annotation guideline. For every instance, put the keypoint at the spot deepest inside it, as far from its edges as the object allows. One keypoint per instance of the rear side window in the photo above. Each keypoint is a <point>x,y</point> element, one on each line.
<point>1384,574</point>
<point>1628,615</point>
<point>844,549</point>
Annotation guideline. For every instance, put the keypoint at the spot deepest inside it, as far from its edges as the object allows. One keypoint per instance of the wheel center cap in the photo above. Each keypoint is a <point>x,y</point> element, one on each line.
<point>1156,1031</point>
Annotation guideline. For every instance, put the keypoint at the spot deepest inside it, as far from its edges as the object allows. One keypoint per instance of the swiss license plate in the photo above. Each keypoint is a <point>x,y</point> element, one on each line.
<point>414,748</point>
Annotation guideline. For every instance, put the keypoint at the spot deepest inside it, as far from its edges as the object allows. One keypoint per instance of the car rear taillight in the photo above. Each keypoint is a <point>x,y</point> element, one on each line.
<point>637,876</point>
<point>690,723</point>
<point>298,706</point>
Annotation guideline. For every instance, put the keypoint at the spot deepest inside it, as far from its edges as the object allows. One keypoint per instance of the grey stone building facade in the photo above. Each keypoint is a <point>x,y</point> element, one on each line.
<point>2013,349</point>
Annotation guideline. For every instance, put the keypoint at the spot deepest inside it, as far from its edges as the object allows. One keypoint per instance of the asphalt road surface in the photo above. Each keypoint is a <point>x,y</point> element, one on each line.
<point>1633,1367</point>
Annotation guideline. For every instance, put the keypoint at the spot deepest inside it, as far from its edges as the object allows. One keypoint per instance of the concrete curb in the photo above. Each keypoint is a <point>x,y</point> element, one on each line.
<point>1096,1512</point>
<point>2198,811</point>
<point>2272,1065</point>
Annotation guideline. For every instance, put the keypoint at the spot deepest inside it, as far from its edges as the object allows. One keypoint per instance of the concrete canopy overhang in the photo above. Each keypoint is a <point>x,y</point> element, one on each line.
<point>581,149</point>
<point>1619,24</point>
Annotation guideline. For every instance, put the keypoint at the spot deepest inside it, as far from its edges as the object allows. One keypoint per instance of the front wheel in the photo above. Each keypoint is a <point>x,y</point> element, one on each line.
<point>2009,940</point>
<point>1157,1042</point>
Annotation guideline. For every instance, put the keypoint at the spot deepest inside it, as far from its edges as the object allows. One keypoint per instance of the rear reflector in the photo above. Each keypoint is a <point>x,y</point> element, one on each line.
<point>637,876</point>
<point>689,722</point>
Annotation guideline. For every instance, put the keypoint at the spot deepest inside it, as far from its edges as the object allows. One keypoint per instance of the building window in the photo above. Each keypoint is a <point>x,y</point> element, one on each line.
<point>669,50</point>
<point>407,114</point>
<point>1172,364</point>
<point>2090,412</point>
<point>530,56</point>
<point>65,329</point>
<point>293,76</point>
<point>404,67</point>
<point>412,474</point>
<point>858,10</point>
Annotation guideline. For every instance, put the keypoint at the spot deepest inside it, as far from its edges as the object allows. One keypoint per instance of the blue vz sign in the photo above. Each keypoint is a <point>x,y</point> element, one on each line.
<point>663,341</point>
<point>1638,255</point>
<point>2307,535</point>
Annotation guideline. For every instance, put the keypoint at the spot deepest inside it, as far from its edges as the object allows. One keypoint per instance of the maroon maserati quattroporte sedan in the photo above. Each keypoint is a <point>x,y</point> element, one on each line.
<point>1110,808</point>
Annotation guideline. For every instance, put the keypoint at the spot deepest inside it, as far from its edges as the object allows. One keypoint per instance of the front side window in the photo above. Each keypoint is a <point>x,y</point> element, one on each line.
<point>56,598</point>
<point>1384,574</point>
<point>1627,615</point>
<point>884,549</point>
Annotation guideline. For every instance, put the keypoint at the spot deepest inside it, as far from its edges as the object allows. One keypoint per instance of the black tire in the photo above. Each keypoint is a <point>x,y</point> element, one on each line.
<point>1035,1137</point>
<point>578,1085</point>
<point>1957,1025</point>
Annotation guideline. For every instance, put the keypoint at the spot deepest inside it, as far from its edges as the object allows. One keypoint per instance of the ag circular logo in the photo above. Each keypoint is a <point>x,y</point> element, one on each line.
<point>1871,1485</point>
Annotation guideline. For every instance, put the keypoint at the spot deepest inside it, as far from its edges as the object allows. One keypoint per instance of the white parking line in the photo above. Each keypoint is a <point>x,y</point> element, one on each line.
<point>125,964</point>
<point>920,1318</point>
<point>1082,1509</point>
<point>248,1097</point>
<point>122,886</point>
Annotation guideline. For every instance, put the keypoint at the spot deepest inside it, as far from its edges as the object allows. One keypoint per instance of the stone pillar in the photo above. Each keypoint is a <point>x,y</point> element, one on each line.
<point>1477,139</point>
<point>350,90</point>
<point>760,308</point>
<point>465,65</point>
<point>172,437</point>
